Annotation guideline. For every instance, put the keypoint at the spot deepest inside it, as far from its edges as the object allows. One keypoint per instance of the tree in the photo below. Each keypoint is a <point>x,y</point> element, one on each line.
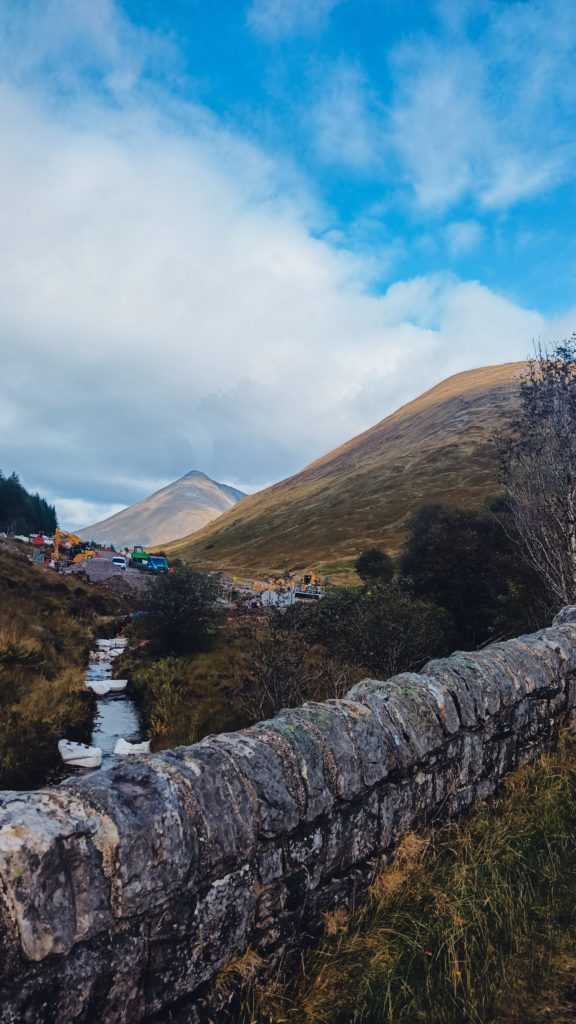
<point>21,512</point>
<point>465,562</point>
<point>383,629</point>
<point>538,467</point>
<point>182,611</point>
<point>375,564</point>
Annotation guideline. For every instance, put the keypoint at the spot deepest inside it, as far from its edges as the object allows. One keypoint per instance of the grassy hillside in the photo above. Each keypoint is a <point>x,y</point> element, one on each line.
<point>435,449</point>
<point>47,623</point>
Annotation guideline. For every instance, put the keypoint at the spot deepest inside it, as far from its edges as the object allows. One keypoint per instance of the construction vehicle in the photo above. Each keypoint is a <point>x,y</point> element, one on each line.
<point>157,563</point>
<point>141,559</point>
<point>64,539</point>
<point>282,591</point>
<point>84,555</point>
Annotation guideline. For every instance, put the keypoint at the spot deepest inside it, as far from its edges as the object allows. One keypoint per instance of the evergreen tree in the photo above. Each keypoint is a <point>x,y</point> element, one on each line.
<point>22,512</point>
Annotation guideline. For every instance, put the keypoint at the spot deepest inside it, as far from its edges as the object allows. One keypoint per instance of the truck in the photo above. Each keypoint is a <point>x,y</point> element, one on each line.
<point>141,559</point>
<point>157,563</point>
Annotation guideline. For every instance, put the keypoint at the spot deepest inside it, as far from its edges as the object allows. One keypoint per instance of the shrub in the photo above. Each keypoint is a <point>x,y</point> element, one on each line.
<point>375,564</point>
<point>182,611</point>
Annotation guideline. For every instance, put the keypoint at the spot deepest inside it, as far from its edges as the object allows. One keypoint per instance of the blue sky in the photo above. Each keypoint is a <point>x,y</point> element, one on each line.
<point>218,214</point>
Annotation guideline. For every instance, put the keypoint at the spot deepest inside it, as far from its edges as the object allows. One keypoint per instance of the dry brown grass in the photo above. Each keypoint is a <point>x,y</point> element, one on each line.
<point>474,924</point>
<point>46,627</point>
<point>433,450</point>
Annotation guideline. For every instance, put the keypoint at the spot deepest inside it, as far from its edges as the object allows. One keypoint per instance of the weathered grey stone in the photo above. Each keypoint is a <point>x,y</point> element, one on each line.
<point>263,773</point>
<point>370,738</point>
<point>156,846</point>
<point>270,865</point>
<point>443,671</point>
<point>565,615</point>
<point>218,805</point>
<point>57,864</point>
<point>217,931</point>
<point>398,752</point>
<point>125,892</point>
<point>413,709</point>
<point>341,760</point>
<point>480,681</point>
<point>302,752</point>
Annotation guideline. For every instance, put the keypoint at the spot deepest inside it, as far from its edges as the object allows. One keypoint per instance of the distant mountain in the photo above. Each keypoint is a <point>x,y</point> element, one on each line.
<point>175,511</point>
<point>437,449</point>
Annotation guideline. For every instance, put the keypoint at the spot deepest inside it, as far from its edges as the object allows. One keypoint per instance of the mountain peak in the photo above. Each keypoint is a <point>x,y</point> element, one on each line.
<point>174,511</point>
<point>195,473</point>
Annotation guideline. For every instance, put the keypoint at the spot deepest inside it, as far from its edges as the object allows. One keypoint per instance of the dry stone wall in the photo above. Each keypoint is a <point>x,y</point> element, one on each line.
<point>126,891</point>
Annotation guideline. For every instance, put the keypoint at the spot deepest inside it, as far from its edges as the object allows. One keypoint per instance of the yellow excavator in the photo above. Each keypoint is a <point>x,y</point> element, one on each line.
<point>62,537</point>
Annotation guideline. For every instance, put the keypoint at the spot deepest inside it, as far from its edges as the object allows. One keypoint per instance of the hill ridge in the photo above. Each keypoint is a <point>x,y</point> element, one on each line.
<point>436,448</point>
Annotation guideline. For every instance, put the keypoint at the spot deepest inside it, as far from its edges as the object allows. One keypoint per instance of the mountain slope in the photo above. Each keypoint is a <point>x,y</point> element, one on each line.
<point>436,449</point>
<point>174,511</point>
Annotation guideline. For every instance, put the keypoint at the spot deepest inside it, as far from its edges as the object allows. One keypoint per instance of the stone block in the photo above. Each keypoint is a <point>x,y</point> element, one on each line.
<point>303,753</point>
<point>263,772</point>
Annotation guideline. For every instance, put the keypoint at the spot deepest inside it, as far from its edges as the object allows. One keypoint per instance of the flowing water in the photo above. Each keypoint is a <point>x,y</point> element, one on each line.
<point>116,717</point>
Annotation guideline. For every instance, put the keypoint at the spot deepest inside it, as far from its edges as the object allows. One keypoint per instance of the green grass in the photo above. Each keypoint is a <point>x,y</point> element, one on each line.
<point>47,623</point>
<point>185,698</point>
<point>472,924</point>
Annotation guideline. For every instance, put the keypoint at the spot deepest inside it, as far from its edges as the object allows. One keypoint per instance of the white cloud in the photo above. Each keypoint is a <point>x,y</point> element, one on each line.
<point>464,236</point>
<point>347,120</point>
<point>164,307</point>
<point>74,513</point>
<point>482,114</point>
<point>488,119</point>
<point>278,19</point>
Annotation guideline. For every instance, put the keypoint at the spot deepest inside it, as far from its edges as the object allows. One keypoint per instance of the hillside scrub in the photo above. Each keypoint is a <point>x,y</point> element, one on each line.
<point>381,628</point>
<point>471,924</point>
<point>375,565</point>
<point>181,699</point>
<point>47,624</point>
<point>467,563</point>
<point>466,586</point>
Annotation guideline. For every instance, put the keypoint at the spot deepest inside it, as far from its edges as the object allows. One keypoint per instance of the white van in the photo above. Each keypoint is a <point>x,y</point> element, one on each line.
<point>120,561</point>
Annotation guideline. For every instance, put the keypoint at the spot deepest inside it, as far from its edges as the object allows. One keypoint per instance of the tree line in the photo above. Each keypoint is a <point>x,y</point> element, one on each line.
<point>22,512</point>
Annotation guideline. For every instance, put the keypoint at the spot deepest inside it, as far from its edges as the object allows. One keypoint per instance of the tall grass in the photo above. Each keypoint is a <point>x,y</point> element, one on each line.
<point>184,698</point>
<point>46,627</point>
<point>473,924</point>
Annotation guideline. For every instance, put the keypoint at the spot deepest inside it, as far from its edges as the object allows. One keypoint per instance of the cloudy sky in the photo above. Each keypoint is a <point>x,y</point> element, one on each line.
<point>235,233</point>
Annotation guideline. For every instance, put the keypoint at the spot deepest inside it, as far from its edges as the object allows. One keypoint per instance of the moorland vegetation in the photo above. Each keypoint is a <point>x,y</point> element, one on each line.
<point>200,668</point>
<point>47,624</point>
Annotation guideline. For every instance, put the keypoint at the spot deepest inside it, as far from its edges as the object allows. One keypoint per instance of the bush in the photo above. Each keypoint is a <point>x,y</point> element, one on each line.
<point>465,562</point>
<point>375,564</point>
<point>279,665</point>
<point>182,611</point>
<point>384,628</point>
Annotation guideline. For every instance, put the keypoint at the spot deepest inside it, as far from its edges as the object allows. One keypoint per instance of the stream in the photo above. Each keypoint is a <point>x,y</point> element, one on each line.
<point>116,714</point>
